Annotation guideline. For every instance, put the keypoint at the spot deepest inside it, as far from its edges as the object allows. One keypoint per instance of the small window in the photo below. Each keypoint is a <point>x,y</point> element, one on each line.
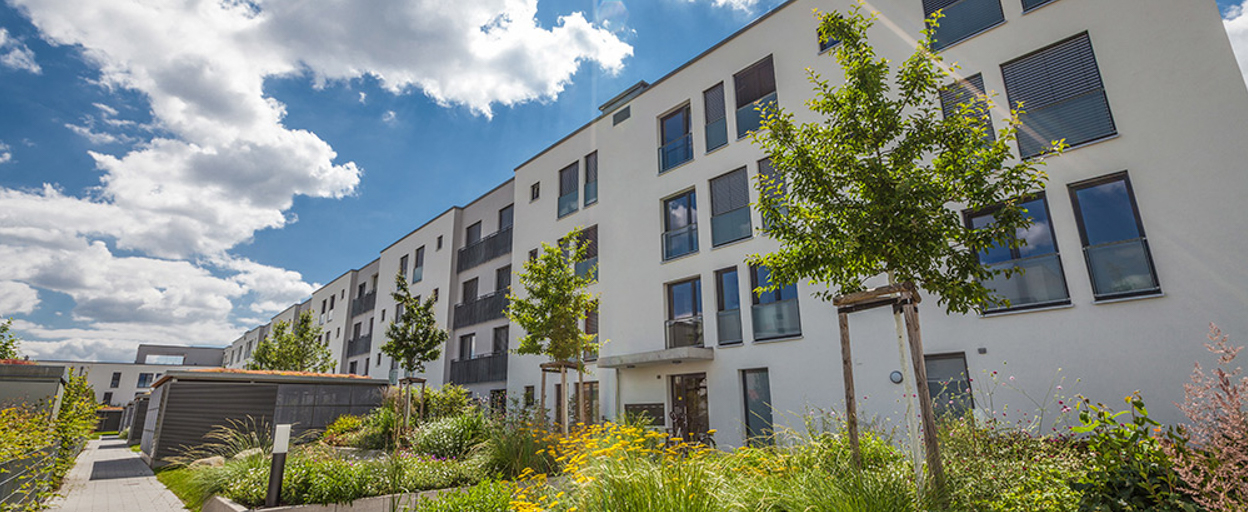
<point>621,116</point>
<point>116,380</point>
<point>569,190</point>
<point>1112,233</point>
<point>332,297</point>
<point>676,143</point>
<point>680,221</point>
<point>439,244</point>
<point>533,255</point>
<point>755,90</point>
<point>949,384</point>
<point>728,304</point>
<point>500,340</point>
<point>1028,5</point>
<point>730,208</point>
<point>108,398</point>
<point>466,343</point>
<point>591,178</point>
<point>502,279</point>
<point>1062,96</point>
<point>968,91</point>
<point>535,191</point>
<point>402,272</point>
<point>530,396</point>
<point>145,380</point>
<point>418,269</point>
<point>716,117</point>
<point>506,217</point>
<point>1042,282</point>
<point>962,19</point>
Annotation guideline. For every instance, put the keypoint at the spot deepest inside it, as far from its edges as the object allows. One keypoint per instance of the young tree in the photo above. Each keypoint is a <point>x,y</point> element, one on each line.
<point>873,186</point>
<point>414,337</point>
<point>8,341</point>
<point>555,303</point>
<point>293,350</point>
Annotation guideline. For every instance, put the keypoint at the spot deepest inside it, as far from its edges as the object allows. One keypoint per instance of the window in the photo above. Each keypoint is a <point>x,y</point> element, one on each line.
<point>621,116</point>
<point>684,313</point>
<point>418,268</point>
<point>591,178</point>
<point>506,217</point>
<point>589,265</point>
<point>592,408</point>
<point>145,380</point>
<point>773,186</point>
<point>498,401</point>
<point>1042,281</point>
<point>402,270</point>
<point>324,306</point>
<point>360,292</point>
<point>825,44</point>
<point>470,290</point>
<point>1114,244</point>
<point>533,255</point>
<point>352,367</point>
<point>568,189</point>
<point>466,343</point>
<point>716,117</point>
<point>968,91</point>
<point>108,398</point>
<point>115,381</point>
<point>962,18</point>
<point>530,396</point>
<point>500,340</point>
<point>775,313</point>
<point>383,315</point>
<point>1032,4</point>
<point>948,383</point>
<point>473,234</point>
<point>502,279</point>
<point>728,304</point>
<point>756,385</point>
<point>676,143</point>
<point>755,88</point>
<point>680,224</point>
<point>434,295</point>
<point>439,244</point>
<point>591,328</point>
<point>355,331</point>
<point>378,360</point>
<point>1062,95</point>
<point>730,208</point>
<point>332,297</point>
<point>535,191</point>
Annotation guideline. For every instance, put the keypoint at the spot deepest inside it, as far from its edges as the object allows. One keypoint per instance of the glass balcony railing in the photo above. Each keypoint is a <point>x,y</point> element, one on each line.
<point>1040,283</point>
<point>1121,268</point>
<point>728,323</point>
<point>684,332</point>
<point>777,320</point>
<point>588,267</point>
<point>591,192</point>
<point>418,273</point>
<point>716,134</point>
<point>731,226</point>
<point>676,152</point>
<point>568,203</point>
<point>749,117</point>
<point>681,241</point>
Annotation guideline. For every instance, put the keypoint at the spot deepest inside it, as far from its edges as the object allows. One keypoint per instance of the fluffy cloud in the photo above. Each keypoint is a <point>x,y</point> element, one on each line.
<point>17,298</point>
<point>1236,23</point>
<point>145,255</point>
<point>5,154</point>
<point>739,5</point>
<point>14,54</point>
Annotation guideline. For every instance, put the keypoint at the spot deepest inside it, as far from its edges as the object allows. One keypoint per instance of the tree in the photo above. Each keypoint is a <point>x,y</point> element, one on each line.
<point>555,302</point>
<point>293,350</point>
<point>8,341</point>
<point>414,337</point>
<point>871,187</point>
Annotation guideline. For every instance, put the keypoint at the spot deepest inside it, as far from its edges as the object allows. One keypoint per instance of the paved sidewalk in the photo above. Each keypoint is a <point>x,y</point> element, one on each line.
<point>109,477</point>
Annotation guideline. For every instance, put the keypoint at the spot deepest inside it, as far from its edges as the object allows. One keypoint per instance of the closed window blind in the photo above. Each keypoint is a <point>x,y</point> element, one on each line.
<point>1032,4</point>
<point>1061,94</point>
<point>963,92</point>
<point>755,82</point>
<point>591,168</point>
<point>962,18</point>
<point>567,180</point>
<point>713,99</point>
<point>729,192</point>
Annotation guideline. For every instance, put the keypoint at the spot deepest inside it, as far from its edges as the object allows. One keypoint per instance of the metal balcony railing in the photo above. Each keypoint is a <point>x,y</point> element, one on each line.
<point>684,332</point>
<point>482,309</point>
<point>486,249</point>
<point>488,368</point>
<point>360,305</point>
<point>360,345</point>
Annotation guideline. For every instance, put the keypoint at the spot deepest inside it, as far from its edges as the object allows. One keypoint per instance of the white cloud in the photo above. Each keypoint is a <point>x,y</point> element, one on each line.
<point>363,97</point>
<point>740,5</point>
<point>1236,23</point>
<point>6,155</point>
<point>16,55</point>
<point>388,117</point>
<point>17,299</point>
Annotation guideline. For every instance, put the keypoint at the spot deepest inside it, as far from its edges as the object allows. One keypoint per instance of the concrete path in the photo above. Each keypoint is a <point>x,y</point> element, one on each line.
<point>109,477</point>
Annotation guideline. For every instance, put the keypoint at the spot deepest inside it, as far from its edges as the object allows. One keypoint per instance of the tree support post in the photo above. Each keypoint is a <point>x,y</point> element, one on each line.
<point>851,404</point>
<point>935,467</point>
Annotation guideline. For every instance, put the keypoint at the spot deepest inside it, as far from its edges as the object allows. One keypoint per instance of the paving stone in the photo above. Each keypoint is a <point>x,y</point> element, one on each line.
<point>109,477</point>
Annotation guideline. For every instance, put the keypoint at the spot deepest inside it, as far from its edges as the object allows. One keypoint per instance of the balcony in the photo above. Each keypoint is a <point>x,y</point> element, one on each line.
<point>488,368</point>
<point>361,305</point>
<point>486,249</point>
<point>675,153</point>
<point>776,320</point>
<point>360,345</point>
<point>684,332</point>
<point>728,324</point>
<point>482,309</point>
<point>731,226</point>
<point>749,117</point>
<point>680,241</point>
<point>588,267</point>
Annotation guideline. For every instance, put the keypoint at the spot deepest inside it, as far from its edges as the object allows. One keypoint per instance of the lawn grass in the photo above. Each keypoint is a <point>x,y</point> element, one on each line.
<point>97,435</point>
<point>136,448</point>
<point>179,481</point>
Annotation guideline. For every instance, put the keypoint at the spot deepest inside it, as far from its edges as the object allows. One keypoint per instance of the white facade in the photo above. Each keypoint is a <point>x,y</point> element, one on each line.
<point>1176,100</point>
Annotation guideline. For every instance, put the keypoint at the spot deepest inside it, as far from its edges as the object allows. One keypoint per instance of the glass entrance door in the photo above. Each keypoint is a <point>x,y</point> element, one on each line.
<point>690,413</point>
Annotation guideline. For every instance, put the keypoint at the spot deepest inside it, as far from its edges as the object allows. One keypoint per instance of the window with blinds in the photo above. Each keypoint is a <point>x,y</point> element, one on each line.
<point>962,19</point>
<point>1062,96</point>
<point>968,91</point>
<point>730,208</point>
<point>755,88</point>
<point>716,117</point>
<point>1032,4</point>
<point>568,189</point>
<point>591,178</point>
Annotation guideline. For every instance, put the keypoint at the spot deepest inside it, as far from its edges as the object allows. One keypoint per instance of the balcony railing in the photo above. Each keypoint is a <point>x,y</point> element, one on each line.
<point>485,250</point>
<point>591,192</point>
<point>728,323</point>
<point>418,273</point>
<point>587,267</point>
<point>676,152</point>
<point>731,226</point>
<point>482,309</point>
<point>749,117</point>
<point>489,368</point>
<point>680,241</point>
<point>569,203</point>
<point>360,305</point>
<point>360,345</point>
<point>684,332</point>
<point>777,320</point>
<point>716,134</point>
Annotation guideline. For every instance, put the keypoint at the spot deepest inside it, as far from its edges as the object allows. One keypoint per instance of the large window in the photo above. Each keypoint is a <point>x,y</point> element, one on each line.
<point>1062,96</point>
<point>466,346</point>
<point>506,217</point>
<point>500,340</point>
<point>756,385</point>
<point>1113,238</point>
<point>502,279</point>
<point>730,208</point>
<point>728,305</point>
<point>591,178</point>
<point>589,265</point>
<point>676,143</point>
<point>1041,282</point>
<point>569,195</point>
<point>949,384</point>
<point>716,117</point>
<point>775,313</point>
<point>145,380</point>
<point>684,313</point>
<point>402,272</point>
<point>473,234</point>
<point>470,290</point>
<point>591,328</point>
<point>418,269</point>
<point>962,18</point>
<point>969,91</point>
<point>680,224</point>
<point>755,88</point>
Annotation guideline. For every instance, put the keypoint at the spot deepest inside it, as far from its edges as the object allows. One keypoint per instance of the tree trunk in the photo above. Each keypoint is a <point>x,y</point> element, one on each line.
<point>542,407</point>
<point>580,389</point>
<point>563,400</point>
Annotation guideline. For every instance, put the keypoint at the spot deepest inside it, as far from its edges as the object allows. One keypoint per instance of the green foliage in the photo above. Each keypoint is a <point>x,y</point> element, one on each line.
<point>1130,471</point>
<point>486,496</point>
<point>449,400</point>
<point>414,337</point>
<point>450,437</point>
<point>293,350</point>
<point>181,482</point>
<point>74,422</point>
<point>26,429</point>
<point>231,438</point>
<point>512,445</point>
<point>555,302</point>
<point>866,189</point>
<point>8,341</point>
<point>339,433</point>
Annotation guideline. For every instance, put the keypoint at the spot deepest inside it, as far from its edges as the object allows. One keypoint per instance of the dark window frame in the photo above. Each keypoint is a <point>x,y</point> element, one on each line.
<point>966,372</point>
<point>969,215</point>
<point>1122,176</point>
<point>685,110</point>
<point>535,191</point>
<point>696,281</point>
<point>721,303</point>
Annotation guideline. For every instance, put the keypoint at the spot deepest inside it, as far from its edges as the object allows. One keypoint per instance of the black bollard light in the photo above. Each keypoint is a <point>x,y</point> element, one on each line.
<point>281,443</point>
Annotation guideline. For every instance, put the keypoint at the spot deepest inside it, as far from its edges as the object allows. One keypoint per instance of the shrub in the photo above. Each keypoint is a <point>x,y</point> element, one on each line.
<point>450,437</point>
<point>232,438</point>
<point>483,497</point>
<point>339,433</point>
<point>513,444</point>
<point>449,400</point>
<point>376,430</point>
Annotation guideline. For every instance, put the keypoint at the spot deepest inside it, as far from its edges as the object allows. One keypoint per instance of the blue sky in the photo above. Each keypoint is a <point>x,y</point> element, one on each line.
<point>179,173</point>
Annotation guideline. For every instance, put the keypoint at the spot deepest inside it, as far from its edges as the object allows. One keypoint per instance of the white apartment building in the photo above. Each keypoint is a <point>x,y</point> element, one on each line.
<point>1131,256</point>
<point>117,383</point>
